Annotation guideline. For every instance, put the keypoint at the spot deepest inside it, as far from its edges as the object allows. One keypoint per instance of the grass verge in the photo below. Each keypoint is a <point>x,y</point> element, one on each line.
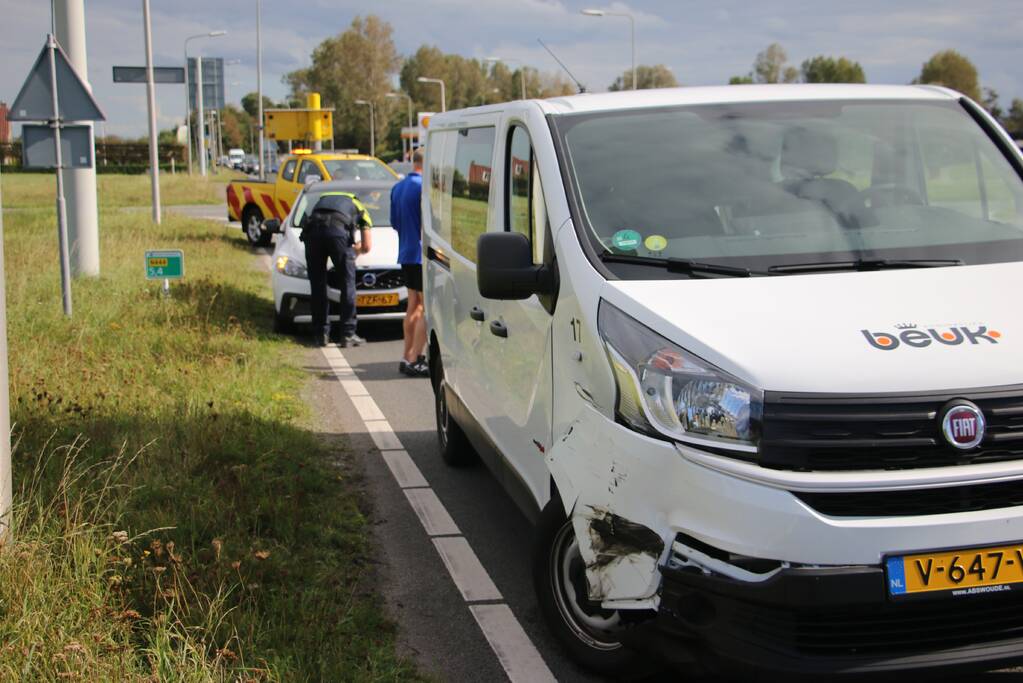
<point>35,190</point>
<point>173,519</point>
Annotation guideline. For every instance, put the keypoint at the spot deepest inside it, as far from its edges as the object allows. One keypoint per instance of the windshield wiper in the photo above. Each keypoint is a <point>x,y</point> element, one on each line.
<point>863,264</point>
<point>677,265</point>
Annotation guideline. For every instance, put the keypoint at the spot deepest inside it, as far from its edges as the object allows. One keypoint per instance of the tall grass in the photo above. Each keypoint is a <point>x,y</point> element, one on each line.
<point>174,518</point>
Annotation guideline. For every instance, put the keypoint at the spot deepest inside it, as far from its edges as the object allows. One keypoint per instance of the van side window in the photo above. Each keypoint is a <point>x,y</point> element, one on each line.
<point>289,170</point>
<point>470,188</point>
<point>440,151</point>
<point>525,210</point>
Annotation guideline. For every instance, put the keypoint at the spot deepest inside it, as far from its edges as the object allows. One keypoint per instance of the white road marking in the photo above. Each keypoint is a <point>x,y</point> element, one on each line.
<point>367,408</point>
<point>404,470</point>
<point>382,434</point>
<point>517,655</point>
<point>431,512</point>
<point>466,569</point>
<point>512,646</point>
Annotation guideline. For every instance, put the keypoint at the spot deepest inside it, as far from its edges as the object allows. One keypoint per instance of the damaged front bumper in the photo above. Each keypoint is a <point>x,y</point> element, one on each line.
<point>822,621</point>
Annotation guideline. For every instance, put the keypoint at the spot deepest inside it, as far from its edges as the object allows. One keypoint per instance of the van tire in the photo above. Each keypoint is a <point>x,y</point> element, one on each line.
<point>252,226</point>
<point>455,448</point>
<point>559,580</point>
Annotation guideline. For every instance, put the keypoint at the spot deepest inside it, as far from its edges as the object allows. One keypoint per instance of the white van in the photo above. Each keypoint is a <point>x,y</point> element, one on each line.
<point>752,356</point>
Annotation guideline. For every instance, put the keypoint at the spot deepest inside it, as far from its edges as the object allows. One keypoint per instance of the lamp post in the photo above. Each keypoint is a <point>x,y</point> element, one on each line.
<point>393,95</point>
<point>522,70</point>
<point>188,102</point>
<point>372,126</point>
<point>632,28</point>
<point>443,97</point>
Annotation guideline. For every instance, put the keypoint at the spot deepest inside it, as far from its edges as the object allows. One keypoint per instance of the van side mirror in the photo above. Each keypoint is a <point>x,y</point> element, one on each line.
<point>272,225</point>
<point>312,178</point>
<point>505,268</point>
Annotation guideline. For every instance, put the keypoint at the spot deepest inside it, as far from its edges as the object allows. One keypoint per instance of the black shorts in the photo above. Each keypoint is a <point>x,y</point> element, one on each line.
<point>413,273</point>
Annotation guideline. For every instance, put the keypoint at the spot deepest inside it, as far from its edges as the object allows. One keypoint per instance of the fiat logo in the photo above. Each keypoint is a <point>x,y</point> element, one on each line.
<point>963,425</point>
<point>369,279</point>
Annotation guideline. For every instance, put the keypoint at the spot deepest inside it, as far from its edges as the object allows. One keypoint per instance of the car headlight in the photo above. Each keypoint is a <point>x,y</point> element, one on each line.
<point>291,267</point>
<point>666,391</point>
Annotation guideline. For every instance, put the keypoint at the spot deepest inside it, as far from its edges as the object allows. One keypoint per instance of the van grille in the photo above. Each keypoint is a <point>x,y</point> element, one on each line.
<point>813,432</point>
<point>937,501</point>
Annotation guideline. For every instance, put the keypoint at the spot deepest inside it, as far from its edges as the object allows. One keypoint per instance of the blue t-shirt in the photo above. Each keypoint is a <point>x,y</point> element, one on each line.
<point>407,218</point>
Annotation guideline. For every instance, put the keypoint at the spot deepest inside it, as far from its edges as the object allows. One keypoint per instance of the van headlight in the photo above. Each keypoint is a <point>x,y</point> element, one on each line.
<point>666,391</point>
<point>291,267</point>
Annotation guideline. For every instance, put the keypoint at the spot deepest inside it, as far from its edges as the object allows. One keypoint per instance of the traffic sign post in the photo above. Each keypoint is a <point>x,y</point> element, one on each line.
<point>53,92</point>
<point>166,265</point>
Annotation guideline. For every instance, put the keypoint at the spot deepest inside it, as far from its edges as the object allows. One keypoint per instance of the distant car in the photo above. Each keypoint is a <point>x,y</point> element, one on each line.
<point>380,285</point>
<point>235,157</point>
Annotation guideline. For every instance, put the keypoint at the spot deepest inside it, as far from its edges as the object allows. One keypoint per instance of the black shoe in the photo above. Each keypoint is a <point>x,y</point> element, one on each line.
<point>419,368</point>
<point>322,339</point>
<point>352,340</point>
<point>403,366</point>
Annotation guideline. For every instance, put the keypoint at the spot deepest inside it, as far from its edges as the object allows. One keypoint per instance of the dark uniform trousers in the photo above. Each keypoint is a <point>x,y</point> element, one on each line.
<point>336,245</point>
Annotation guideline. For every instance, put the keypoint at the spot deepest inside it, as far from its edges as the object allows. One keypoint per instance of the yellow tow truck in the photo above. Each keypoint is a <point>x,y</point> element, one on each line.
<point>253,201</point>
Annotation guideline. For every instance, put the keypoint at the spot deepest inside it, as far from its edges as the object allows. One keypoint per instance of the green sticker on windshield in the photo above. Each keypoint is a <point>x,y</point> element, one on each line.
<point>626,239</point>
<point>655,243</point>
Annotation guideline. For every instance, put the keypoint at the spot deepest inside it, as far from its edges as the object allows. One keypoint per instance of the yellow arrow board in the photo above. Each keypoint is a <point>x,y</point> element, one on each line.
<point>299,124</point>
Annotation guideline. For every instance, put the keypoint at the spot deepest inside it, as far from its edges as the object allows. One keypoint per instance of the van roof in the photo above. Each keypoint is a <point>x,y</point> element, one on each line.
<point>723,94</point>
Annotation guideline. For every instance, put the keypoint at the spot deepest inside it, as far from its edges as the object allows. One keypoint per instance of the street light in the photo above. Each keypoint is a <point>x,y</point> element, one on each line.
<point>632,27</point>
<point>522,70</point>
<point>188,103</point>
<point>392,95</point>
<point>372,127</point>
<point>443,97</point>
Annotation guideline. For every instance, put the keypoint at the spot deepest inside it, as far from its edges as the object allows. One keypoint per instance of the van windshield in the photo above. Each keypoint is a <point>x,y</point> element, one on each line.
<point>769,185</point>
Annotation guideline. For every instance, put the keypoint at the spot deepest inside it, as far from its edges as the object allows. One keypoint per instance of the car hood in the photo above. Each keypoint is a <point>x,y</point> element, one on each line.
<point>384,253</point>
<point>861,332</point>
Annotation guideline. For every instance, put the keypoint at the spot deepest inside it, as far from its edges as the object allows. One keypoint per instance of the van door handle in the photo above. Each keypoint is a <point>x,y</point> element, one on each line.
<point>498,328</point>
<point>477,314</point>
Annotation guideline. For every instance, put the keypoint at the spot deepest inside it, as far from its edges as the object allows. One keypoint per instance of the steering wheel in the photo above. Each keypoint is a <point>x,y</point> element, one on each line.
<point>890,194</point>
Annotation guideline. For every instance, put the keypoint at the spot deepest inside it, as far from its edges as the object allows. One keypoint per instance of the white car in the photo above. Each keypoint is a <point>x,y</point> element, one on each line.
<point>380,285</point>
<point>753,358</point>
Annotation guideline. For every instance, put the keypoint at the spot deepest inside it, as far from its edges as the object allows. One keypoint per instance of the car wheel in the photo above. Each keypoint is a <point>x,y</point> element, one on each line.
<point>252,224</point>
<point>587,631</point>
<point>283,324</point>
<point>455,448</point>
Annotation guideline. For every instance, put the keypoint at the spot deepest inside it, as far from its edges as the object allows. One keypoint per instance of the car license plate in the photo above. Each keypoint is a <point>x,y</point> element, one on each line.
<point>390,299</point>
<point>956,573</point>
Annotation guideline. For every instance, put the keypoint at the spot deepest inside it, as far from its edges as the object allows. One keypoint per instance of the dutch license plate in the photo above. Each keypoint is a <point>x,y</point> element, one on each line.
<point>377,299</point>
<point>956,572</point>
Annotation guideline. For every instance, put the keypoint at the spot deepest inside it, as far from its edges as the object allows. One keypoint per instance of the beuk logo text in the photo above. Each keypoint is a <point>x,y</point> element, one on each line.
<point>909,334</point>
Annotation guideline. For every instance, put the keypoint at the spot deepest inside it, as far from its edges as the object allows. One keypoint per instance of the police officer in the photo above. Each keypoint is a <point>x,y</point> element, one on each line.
<point>329,231</point>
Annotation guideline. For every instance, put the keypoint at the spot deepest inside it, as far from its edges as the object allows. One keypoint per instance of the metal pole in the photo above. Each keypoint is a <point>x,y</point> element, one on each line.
<point>81,205</point>
<point>372,131</point>
<point>154,150</point>
<point>522,80</point>
<point>188,114</point>
<point>259,85</point>
<point>62,238</point>
<point>443,98</point>
<point>201,111</point>
<point>632,29</point>
<point>6,485</point>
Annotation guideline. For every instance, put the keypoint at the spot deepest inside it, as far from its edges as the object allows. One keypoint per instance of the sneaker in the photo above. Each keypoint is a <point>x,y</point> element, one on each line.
<point>403,366</point>
<point>352,340</point>
<point>419,368</point>
<point>322,339</point>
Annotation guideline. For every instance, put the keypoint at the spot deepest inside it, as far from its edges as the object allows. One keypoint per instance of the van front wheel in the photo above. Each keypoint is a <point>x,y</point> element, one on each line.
<point>455,448</point>
<point>588,631</point>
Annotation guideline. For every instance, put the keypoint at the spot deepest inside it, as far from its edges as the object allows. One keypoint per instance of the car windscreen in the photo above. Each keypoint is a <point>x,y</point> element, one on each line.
<point>377,201</point>
<point>357,169</point>
<point>758,185</point>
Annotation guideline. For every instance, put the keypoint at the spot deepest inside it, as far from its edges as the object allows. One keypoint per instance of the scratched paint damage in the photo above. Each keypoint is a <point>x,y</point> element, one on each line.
<point>606,496</point>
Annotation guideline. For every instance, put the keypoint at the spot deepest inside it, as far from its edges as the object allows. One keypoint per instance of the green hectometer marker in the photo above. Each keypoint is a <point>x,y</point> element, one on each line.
<point>165,265</point>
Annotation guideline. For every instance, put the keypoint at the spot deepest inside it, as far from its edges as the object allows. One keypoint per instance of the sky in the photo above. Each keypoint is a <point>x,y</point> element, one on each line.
<point>704,42</point>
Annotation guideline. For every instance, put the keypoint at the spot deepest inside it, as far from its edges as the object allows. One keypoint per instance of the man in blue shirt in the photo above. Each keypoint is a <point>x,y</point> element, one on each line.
<point>407,219</point>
